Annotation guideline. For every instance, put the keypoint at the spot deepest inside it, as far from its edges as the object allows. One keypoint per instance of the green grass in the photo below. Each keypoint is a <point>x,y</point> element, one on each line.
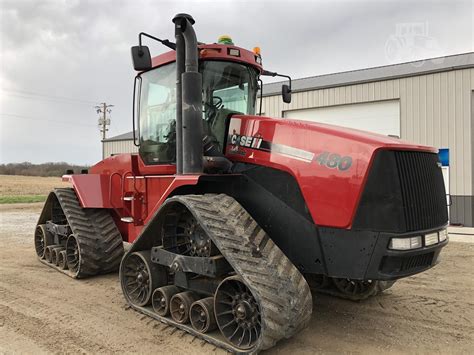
<point>22,199</point>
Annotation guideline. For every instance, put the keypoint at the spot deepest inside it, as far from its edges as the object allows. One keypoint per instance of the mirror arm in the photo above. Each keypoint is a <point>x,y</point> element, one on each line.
<point>165,42</point>
<point>273,74</point>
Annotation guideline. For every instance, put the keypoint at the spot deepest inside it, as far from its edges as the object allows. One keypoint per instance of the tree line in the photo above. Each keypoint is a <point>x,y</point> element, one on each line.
<point>44,169</point>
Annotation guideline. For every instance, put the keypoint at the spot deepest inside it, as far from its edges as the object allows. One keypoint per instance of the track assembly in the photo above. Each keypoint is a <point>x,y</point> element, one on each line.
<point>75,241</point>
<point>239,292</point>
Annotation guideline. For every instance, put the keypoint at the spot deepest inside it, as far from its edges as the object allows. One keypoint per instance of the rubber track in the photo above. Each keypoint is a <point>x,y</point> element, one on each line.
<point>281,290</point>
<point>99,240</point>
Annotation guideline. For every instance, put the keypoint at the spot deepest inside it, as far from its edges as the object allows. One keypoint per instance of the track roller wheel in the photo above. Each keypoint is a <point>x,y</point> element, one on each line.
<point>139,277</point>
<point>202,315</point>
<point>48,252</point>
<point>62,259</point>
<point>43,238</point>
<point>237,313</point>
<point>161,299</point>
<point>180,305</point>
<point>55,255</point>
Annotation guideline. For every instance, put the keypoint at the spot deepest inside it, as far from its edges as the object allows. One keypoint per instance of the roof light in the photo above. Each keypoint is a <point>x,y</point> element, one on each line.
<point>225,39</point>
<point>234,52</point>
<point>256,50</point>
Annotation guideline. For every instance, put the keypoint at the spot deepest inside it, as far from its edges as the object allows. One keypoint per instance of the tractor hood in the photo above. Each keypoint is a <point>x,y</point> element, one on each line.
<point>330,163</point>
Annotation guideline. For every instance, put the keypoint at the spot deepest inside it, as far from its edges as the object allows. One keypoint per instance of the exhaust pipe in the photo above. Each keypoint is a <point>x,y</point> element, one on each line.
<point>189,131</point>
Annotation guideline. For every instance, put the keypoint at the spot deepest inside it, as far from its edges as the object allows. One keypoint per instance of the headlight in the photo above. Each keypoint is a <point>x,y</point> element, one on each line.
<point>431,239</point>
<point>405,243</point>
<point>443,235</point>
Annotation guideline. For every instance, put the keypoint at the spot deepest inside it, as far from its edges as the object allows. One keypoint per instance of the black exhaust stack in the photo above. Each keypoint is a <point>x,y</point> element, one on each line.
<point>189,131</point>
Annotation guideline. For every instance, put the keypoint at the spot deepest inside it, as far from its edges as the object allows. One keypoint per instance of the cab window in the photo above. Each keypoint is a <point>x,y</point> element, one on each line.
<point>157,115</point>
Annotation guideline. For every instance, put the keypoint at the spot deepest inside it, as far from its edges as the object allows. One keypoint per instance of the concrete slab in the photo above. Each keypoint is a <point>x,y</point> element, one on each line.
<point>461,230</point>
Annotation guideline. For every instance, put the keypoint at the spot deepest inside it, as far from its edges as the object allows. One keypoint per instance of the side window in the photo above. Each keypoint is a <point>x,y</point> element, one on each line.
<point>234,97</point>
<point>158,115</point>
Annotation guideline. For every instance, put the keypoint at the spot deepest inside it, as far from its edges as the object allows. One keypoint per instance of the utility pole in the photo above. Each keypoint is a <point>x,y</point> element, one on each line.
<point>104,110</point>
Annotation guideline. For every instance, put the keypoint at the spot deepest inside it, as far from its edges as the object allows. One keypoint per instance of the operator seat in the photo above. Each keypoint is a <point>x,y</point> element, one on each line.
<point>219,125</point>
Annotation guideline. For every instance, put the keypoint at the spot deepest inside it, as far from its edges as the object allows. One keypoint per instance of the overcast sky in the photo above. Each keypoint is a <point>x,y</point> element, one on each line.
<point>61,57</point>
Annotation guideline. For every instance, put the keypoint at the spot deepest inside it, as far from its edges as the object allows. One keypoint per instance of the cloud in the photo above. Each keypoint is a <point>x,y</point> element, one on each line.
<point>81,50</point>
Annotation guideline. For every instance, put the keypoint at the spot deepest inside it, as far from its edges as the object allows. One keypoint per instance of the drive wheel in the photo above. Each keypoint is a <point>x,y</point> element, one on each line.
<point>42,239</point>
<point>140,277</point>
<point>237,313</point>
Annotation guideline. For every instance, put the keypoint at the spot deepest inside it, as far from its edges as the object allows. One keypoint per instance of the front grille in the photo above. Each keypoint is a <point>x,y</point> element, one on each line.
<point>422,189</point>
<point>394,265</point>
<point>417,261</point>
<point>404,192</point>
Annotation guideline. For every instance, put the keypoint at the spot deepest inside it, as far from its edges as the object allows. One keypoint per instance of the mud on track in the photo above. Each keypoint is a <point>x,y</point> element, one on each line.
<point>42,310</point>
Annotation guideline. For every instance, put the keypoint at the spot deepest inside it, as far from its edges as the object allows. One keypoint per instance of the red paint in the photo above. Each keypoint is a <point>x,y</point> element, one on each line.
<point>331,195</point>
<point>212,52</point>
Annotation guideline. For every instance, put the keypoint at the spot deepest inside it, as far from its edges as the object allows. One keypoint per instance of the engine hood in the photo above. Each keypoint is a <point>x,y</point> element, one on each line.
<point>330,163</point>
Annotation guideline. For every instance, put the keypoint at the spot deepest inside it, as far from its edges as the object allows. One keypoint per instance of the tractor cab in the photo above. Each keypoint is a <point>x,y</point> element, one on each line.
<point>183,99</point>
<point>228,87</point>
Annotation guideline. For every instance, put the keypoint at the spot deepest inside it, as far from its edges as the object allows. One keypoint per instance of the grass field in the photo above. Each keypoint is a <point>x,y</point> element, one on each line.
<point>26,189</point>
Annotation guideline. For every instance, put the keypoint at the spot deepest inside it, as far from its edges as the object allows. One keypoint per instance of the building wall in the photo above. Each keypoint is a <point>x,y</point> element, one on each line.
<point>116,147</point>
<point>435,109</point>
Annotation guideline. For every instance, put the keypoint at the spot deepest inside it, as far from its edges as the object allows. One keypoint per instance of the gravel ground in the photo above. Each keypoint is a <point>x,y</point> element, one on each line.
<point>43,311</point>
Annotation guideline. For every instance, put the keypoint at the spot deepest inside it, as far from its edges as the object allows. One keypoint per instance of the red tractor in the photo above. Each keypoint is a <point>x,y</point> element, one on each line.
<point>233,216</point>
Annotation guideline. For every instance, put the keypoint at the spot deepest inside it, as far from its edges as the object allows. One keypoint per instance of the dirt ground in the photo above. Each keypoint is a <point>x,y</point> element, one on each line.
<point>43,311</point>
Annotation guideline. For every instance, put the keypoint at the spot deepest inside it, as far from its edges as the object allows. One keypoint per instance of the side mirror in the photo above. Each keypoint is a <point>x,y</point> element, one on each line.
<point>141,58</point>
<point>286,93</point>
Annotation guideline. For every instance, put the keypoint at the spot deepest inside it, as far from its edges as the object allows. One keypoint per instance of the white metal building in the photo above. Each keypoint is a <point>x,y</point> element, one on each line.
<point>427,102</point>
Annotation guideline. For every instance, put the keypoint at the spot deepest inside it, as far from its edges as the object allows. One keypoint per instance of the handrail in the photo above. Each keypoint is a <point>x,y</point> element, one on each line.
<point>110,187</point>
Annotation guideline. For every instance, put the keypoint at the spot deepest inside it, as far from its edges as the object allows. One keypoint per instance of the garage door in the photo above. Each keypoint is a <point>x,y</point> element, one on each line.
<point>380,117</point>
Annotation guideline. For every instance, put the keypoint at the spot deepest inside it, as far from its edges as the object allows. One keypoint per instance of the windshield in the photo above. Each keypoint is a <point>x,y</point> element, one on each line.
<point>228,88</point>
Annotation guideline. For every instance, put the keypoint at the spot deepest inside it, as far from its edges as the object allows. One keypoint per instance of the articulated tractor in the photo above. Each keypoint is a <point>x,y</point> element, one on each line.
<point>233,218</point>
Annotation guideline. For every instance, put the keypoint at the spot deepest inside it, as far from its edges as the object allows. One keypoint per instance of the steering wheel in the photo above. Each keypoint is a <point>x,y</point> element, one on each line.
<point>211,109</point>
<point>217,104</point>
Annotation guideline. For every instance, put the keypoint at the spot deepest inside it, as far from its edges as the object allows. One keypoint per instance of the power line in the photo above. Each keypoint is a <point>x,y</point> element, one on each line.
<point>41,99</point>
<point>46,119</point>
<point>26,94</point>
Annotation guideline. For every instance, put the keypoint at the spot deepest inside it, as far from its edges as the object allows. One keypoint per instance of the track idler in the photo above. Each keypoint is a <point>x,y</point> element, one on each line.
<point>140,277</point>
<point>238,313</point>
<point>43,238</point>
